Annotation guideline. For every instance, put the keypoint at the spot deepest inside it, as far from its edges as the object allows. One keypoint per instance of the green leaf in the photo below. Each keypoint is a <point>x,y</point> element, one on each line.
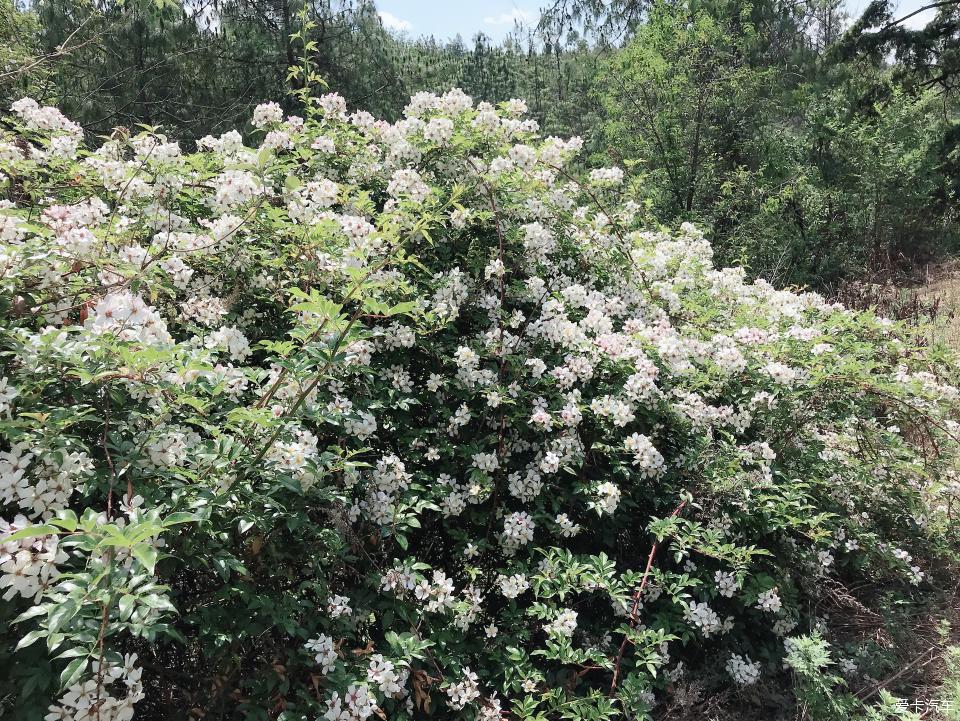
<point>147,555</point>
<point>180,517</point>
<point>154,600</point>
<point>30,638</point>
<point>31,532</point>
<point>72,673</point>
<point>31,613</point>
<point>62,614</point>
<point>67,520</point>
<point>71,653</point>
<point>127,603</point>
<point>401,308</point>
<point>243,526</point>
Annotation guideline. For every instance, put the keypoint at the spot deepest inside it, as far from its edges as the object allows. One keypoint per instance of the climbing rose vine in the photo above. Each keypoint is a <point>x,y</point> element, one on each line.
<point>357,419</point>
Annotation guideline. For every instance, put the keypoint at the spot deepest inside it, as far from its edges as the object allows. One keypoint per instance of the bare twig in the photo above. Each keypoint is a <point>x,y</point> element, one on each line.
<point>636,603</point>
<point>899,673</point>
<point>62,50</point>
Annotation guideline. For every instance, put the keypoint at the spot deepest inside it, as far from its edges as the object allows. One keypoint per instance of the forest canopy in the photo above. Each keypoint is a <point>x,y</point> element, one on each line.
<point>814,148</point>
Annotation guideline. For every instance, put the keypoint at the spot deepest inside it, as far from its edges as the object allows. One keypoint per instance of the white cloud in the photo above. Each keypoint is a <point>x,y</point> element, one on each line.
<point>515,15</point>
<point>392,22</point>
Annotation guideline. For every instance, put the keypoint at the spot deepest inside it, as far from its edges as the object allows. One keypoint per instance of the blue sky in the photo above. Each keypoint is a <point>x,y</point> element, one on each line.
<point>904,7</point>
<point>496,17</point>
<point>466,17</point>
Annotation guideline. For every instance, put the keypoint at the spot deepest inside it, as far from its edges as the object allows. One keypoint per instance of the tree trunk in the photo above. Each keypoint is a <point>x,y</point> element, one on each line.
<point>695,154</point>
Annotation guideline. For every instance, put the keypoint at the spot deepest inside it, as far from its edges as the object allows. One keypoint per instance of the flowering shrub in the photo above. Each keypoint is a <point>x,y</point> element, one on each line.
<point>405,419</point>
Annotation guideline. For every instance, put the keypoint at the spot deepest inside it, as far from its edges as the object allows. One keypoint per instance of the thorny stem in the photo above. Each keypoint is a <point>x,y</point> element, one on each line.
<point>636,603</point>
<point>502,351</point>
<point>613,224</point>
<point>100,636</point>
<point>333,351</point>
<point>309,389</point>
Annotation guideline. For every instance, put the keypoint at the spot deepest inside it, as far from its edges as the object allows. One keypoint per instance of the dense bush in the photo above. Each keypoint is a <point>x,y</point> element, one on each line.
<point>384,420</point>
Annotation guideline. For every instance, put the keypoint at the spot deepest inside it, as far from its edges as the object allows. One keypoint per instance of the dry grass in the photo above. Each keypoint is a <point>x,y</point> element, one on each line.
<point>942,286</point>
<point>931,301</point>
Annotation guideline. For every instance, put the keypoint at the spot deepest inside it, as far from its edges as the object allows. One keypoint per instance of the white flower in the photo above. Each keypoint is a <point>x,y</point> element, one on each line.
<point>513,586</point>
<point>645,456</point>
<point>517,530</point>
<point>726,583</point>
<point>333,105</point>
<point>324,144</point>
<point>339,606</point>
<point>325,652</point>
<point>783,626</point>
<point>606,176</point>
<point>608,498</point>
<point>232,340</point>
<point>550,462</point>
<point>781,373</point>
<point>361,427</point>
<point>486,461</point>
<point>406,183</point>
<point>699,614</point>
<point>494,269</point>
<point>568,528</point>
<point>742,669</point>
<point>463,692</point>
<point>564,624</point>
<point>128,317</point>
<point>438,130</point>
<point>769,601</point>
<point>266,114</point>
<point>7,394</point>
<point>384,675</point>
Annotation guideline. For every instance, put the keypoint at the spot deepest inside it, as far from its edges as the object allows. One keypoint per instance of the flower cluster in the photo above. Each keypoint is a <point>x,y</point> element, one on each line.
<point>742,669</point>
<point>29,566</point>
<point>110,694</point>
